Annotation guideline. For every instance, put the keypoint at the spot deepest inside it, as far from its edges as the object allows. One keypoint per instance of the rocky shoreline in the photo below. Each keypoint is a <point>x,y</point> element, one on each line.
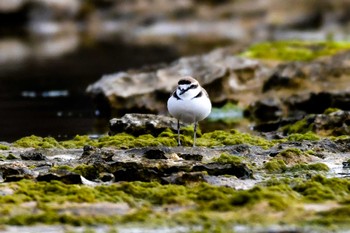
<point>245,171</point>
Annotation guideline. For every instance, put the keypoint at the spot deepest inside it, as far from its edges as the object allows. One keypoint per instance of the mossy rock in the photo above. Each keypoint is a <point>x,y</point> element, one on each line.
<point>4,147</point>
<point>88,171</point>
<point>320,188</point>
<point>292,156</point>
<point>333,217</point>
<point>198,204</point>
<point>309,167</point>
<point>295,50</point>
<point>37,142</point>
<point>226,158</point>
<point>275,166</point>
<point>233,137</point>
<point>166,138</point>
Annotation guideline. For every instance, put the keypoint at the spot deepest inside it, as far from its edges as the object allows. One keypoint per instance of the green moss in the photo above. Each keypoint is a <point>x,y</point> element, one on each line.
<point>340,138</point>
<point>334,217</point>
<point>198,204</point>
<point>166,138</point>
<point>226,158</point>
<point>292,156</point>
<point>61,167</point>
<point>51,217</point>
<point>11,157</point>
<point>78,141</point>
<point>295,50</point>
<point>308,136</point>
<point>139,195</point>
<point>275,166</point>
<point>290,152</point>
<point>121,140</point>
<point>124,140</point>
<point>330,110</point>
<point>309,167</point>
<point>221,138</point>
<point>4,147</point>
<point>320,188</point>
<point>311,152</point>
<point>87,171</point>
<point>301,126</point>
<point>141,215</point>
<point>37,142</point>
<point>279,166</point>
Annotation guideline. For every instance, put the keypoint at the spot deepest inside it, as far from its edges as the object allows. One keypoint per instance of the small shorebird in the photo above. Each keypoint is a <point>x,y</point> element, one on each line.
<point>189,103</point>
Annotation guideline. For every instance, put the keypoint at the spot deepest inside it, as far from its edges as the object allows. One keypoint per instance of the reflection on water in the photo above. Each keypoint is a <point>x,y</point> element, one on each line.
<point>45,94</point>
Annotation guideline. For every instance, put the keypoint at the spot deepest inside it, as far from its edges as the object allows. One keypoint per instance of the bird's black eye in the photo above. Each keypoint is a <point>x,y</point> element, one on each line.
<point>184,81</point>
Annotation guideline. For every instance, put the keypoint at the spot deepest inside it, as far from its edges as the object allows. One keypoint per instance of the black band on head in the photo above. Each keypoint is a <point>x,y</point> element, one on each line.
<point>193,86</point>
<point>184,81</point>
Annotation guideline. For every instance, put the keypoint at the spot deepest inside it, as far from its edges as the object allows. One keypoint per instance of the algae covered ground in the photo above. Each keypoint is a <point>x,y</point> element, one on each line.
<point>319,201</point>
<point>292,185</point>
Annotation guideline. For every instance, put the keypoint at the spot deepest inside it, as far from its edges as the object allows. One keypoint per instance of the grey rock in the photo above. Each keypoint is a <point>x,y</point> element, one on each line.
<point>195,157</point>
<point>285,75</point>
<point>217,169</point>
<point>182,178</point>
<point>335,123</point>
<point>265,110</point>
<point>14,172</point>
<point>64,176</point>
<point>32,155</point>
<point>220,72</point>
<point>318,102</point>
<point>155,154</point>
<point>138,124</point>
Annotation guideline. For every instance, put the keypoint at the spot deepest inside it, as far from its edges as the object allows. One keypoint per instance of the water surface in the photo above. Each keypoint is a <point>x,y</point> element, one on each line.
<point>45,95</point>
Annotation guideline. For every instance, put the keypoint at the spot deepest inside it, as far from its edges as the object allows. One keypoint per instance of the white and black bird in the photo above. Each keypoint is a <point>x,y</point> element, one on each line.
<point>189,103</point>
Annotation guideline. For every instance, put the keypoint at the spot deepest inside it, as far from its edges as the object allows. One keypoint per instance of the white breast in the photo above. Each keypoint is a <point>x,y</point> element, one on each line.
<point>189,110</point>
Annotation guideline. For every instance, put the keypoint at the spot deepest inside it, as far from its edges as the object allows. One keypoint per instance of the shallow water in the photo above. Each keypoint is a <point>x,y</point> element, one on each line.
<point>45,95</point>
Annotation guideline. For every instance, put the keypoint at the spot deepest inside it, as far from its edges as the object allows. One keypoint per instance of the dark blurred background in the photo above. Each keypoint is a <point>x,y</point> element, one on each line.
<point>51,50</point>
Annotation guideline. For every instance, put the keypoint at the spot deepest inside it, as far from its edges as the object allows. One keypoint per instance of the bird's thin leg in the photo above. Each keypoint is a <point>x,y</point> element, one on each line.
<point>195,133</point>
<point>178,133</point>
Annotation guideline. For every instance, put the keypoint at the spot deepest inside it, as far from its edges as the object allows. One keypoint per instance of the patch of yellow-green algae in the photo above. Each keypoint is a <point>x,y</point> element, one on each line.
<point>295,50</point>
<point>4,147</point>
<point>293,160</point>
<point>226,158</point>
<point>166,138</point>
<point>301,126</point>
<point>37,142</point>
<point>305,129</point>
<point>232,137</point>
<point>196,204</point>
<point>121,140</point>
<point>279,166</point>
<point>90,172</point>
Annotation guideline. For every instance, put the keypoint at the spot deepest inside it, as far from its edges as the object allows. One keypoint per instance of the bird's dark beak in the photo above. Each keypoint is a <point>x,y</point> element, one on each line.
<point>182,91</point>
